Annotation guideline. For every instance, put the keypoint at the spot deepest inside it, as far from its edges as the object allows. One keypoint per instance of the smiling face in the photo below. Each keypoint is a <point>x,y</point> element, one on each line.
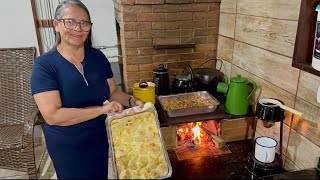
<point>72,37</point>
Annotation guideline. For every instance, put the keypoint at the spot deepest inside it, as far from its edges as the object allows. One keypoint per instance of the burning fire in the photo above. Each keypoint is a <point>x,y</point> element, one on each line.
<point>197,134</point>
<point>191,130</point>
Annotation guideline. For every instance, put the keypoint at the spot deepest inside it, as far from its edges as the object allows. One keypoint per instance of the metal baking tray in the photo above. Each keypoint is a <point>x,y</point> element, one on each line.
<point>111,145</point>
<point>191,110</point>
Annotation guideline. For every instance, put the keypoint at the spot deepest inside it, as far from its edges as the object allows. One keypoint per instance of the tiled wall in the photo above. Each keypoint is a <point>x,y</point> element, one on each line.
<point>256,39</point>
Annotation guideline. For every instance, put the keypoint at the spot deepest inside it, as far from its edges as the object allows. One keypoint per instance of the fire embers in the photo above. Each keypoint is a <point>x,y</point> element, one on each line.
<point>191,135</point>
<point>193,141</point>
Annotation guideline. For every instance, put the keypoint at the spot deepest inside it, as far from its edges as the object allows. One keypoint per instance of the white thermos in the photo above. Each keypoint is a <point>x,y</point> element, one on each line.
<point>316,48</point>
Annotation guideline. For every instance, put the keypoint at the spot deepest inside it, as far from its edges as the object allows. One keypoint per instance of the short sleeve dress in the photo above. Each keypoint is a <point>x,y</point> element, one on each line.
<point>78,151</point>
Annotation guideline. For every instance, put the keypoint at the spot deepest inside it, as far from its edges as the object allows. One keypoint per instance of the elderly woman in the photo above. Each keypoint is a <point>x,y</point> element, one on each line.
<point>70,84</point>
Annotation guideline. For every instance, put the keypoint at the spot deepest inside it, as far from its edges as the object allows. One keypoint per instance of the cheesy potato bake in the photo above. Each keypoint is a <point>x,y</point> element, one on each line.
<point>137,147</point>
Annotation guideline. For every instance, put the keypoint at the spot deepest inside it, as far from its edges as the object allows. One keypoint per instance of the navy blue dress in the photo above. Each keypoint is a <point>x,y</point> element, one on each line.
<point>81,150</point>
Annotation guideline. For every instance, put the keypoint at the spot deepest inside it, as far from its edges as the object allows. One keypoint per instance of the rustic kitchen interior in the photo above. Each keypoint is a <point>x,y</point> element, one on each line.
<point>261,41</point>
<point>255,39</point>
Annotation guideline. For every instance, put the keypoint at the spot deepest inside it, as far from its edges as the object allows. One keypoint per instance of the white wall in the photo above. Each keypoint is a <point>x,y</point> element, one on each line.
<point>104,26</point>
<point>18,30</point>
<point>17,25</point>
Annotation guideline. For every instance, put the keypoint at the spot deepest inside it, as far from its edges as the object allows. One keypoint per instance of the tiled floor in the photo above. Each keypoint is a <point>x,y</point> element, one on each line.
<point>43,160</point>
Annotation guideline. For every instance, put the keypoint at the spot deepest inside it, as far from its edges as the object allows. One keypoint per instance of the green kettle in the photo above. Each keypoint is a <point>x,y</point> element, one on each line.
<point>238,93</point>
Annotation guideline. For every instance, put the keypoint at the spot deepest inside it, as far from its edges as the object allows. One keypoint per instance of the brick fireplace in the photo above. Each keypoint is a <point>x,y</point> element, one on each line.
<point>169,32</point>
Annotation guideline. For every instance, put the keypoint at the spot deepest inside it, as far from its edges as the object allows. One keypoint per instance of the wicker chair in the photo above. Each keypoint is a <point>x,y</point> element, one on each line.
<point>18,112</point>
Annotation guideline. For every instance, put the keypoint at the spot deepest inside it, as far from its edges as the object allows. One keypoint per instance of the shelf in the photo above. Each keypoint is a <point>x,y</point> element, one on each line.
<point>303,50</point>
<point>306,67</point>
<point>174,46</point>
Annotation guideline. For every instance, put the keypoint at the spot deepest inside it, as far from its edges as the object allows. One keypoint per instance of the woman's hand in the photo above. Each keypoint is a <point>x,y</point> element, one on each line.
<point>136,102</point>
<point>112,107</point>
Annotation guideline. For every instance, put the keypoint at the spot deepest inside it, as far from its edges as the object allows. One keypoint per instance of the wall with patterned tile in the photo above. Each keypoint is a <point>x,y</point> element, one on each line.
<point>256,39</point>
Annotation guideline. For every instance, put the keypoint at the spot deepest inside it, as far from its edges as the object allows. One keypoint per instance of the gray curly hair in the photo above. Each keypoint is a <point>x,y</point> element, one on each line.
<point>59,13</point>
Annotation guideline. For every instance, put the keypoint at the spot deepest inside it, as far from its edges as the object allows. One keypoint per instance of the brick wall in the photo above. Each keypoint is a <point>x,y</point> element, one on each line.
<point>147,23</point>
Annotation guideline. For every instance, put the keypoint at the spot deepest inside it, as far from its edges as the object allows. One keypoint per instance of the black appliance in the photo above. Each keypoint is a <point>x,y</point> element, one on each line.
<point>184,82</point>
<point>207,79</point>
<point>270,115</point>
<point>161,80</point>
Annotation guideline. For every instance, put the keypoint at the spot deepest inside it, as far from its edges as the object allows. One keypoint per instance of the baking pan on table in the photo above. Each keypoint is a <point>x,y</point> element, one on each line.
<point>137,147</point>
<point>185,104</point>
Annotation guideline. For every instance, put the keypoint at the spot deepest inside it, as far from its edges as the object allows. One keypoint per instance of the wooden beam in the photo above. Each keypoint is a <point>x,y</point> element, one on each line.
<point>45,23</point>
<point>35,19</point>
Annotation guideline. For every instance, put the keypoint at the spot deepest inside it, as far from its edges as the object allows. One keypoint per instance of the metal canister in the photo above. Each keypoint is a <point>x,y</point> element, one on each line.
<point>161,80</point>
<point>145,91</point>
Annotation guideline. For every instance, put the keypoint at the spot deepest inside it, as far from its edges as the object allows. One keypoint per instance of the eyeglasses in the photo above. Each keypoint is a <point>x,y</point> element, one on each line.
<point>72,24</point>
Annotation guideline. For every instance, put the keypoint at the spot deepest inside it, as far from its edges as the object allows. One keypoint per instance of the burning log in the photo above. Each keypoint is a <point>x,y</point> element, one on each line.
<point>219,142</point>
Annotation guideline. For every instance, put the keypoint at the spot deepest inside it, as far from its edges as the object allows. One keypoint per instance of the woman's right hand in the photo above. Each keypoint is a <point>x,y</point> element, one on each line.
<point>112,107</point>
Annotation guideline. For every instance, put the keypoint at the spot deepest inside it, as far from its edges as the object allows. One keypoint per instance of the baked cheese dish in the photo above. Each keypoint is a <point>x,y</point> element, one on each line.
<point>137,147</point>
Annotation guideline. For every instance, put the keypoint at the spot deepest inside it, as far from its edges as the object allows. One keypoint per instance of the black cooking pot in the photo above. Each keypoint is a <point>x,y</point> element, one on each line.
<point>208,75</point>
<point>207,79</point>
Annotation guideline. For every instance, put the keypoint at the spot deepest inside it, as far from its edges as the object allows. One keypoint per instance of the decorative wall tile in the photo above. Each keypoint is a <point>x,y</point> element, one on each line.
<point>225,48</point>
<point>308,86</point>
<point>289,165</point>
<point>227,24</point>
<point>278,9</point>
<point>224,66</point>
<point>228,6</point>
<point>309,124</point>
<point>263,46</point>
<point>302,152</point>
<point>272,67</point>
<point>272,34</point>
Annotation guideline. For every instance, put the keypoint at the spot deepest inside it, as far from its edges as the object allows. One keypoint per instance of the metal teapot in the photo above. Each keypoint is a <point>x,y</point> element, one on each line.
<point>238,93</point>
<point>184,82</point>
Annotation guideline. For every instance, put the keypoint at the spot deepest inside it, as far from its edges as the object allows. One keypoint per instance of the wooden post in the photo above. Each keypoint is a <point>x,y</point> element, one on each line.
<point>36,24</point>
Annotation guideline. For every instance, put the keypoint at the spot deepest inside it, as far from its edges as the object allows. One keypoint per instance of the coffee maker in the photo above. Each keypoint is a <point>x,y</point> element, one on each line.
<point>256,165</point>
<point>259,163</point>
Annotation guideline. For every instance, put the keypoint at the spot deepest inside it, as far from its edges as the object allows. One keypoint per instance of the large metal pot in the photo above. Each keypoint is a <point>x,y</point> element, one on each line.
<point>145,91</point>
<point>208,75</point>
<point>208,79</point>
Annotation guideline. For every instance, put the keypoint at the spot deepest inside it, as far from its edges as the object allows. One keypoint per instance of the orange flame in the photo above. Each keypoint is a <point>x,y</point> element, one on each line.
<point>197,134</point>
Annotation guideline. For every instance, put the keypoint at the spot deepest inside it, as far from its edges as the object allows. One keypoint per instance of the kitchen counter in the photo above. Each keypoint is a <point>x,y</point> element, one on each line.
<point>226,166</point>
<point>312,173</point>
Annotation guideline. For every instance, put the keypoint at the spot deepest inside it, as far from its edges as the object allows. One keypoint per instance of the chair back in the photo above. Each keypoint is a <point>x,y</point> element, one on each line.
<point>16,65</point>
